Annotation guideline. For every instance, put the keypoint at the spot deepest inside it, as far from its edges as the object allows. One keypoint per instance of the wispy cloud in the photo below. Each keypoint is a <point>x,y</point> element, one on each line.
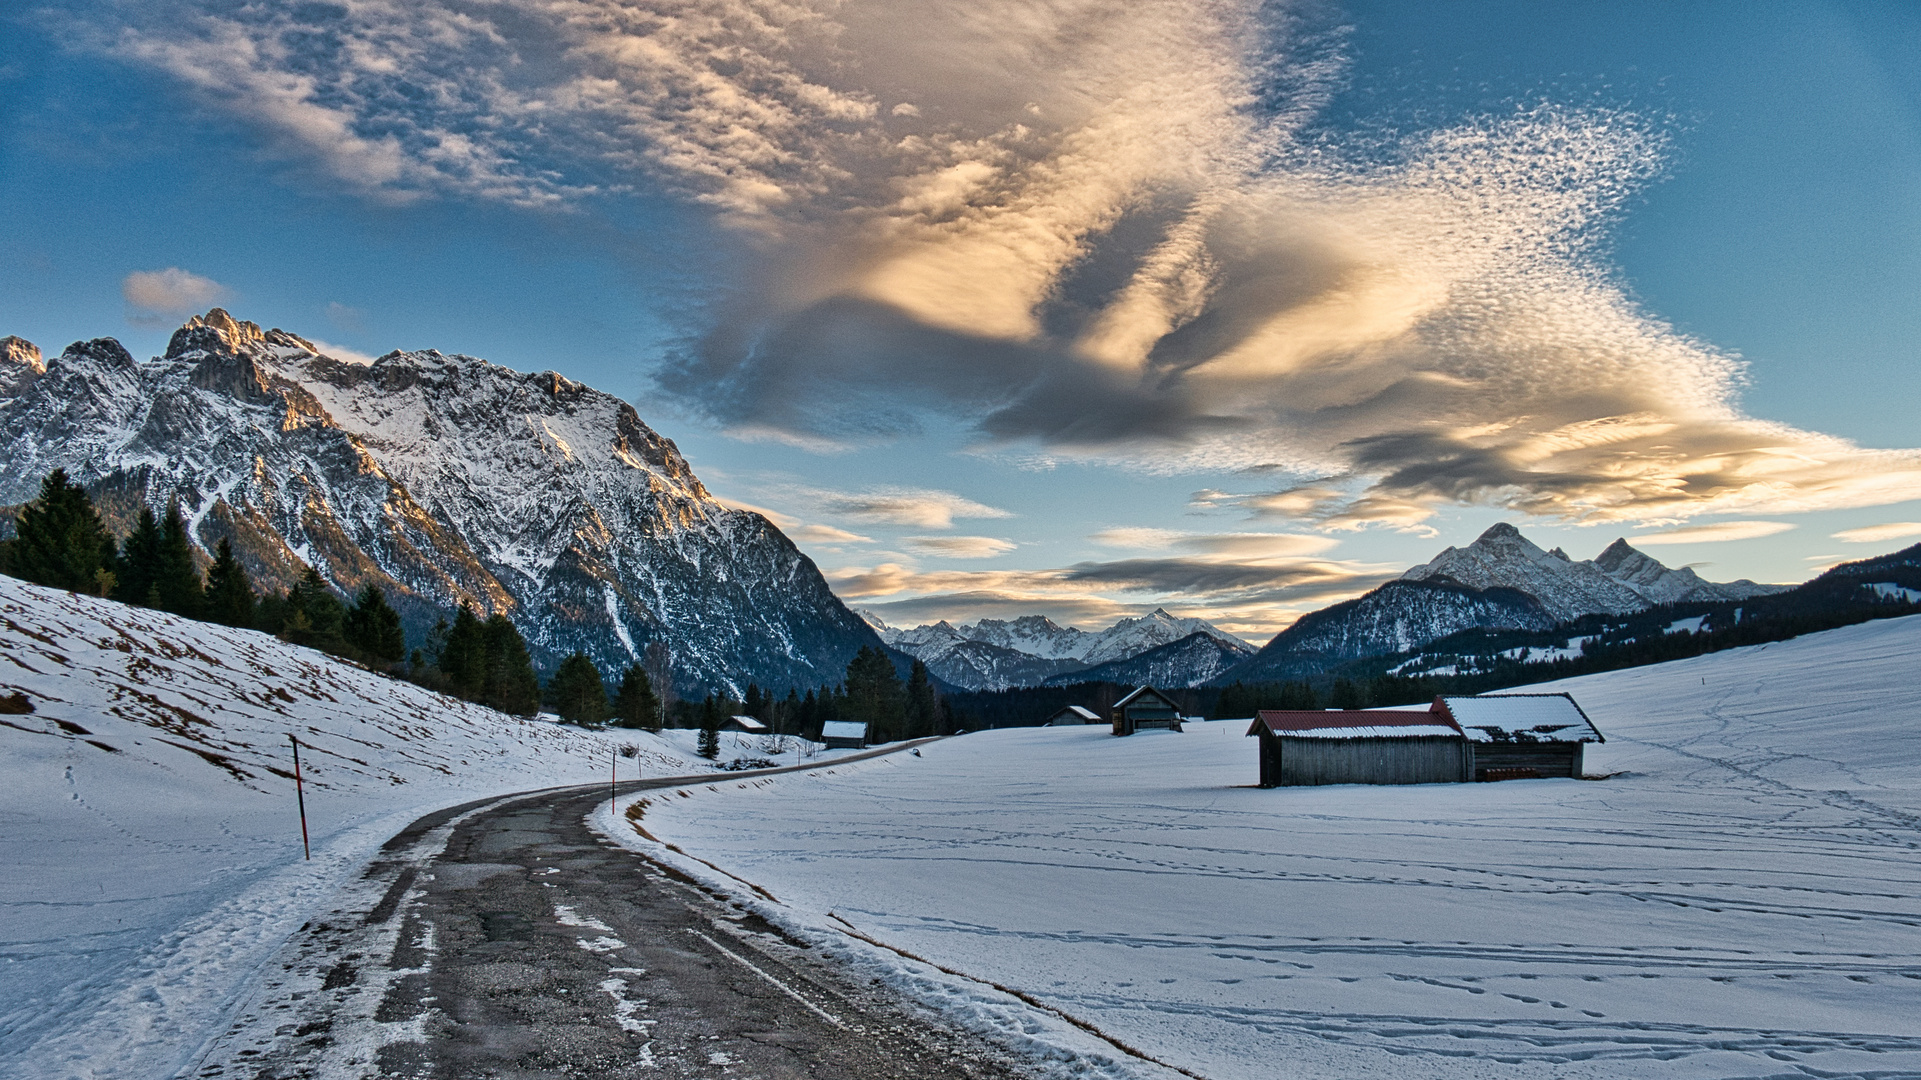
<point>958,547</point>
<point>826,534</point>
<point>1109,229</point>
<point>1875,534</point>
<point>172,291</point>
<point>1716,533</point>
<point>922,508</point>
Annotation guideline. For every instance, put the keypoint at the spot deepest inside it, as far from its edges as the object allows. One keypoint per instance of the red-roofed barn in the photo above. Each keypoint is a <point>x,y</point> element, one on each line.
<point>1351,746</point>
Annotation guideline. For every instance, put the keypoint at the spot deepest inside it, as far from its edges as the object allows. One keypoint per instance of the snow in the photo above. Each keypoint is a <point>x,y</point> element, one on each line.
<point>1686,626</point>
<point>1888,590</point>
<point>146,882</point>
<point>1741,896</point>
<point>1536,712</point>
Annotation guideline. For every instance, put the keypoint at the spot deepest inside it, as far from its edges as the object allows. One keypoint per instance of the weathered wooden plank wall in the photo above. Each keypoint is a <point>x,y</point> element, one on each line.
<point>1304,762</point>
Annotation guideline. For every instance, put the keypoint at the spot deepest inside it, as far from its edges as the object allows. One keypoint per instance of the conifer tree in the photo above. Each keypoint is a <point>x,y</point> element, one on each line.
<point>576,692</point>
<point>1345,694</point>
<point>874,694</point>
<point>177,580</point>
<point>923,706</point>
<point>59,541</point>
<point>230,598</point>
<point>635,705</point>
<point>511,685</point>
<point>373,626</point>
<point>137,577</point>
<point>463,655</point>
<point>710,728</point>
<point>315,615</point>
<point>755,703</point>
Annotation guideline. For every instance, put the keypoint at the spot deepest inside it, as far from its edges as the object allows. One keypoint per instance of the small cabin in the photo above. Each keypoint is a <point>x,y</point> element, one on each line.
<point>1302,747</point>
<point>844,734</point>
<point>1073,714</point>
<point>745,724</point>
<point>1145,707</point>
<point>1456,739</point>
<point>1521,736</point>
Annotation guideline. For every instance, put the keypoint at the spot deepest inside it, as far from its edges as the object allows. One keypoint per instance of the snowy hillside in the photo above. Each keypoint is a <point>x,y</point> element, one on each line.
<point>147,817</point>
<point>1740,897</point>
<point>443,479</point>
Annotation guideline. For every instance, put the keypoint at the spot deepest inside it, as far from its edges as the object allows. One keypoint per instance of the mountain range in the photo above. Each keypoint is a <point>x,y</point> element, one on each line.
<point>444,479</point>
<point>995,654</point>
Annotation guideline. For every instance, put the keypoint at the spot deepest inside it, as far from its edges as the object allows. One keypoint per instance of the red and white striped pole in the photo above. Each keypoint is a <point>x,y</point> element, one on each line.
<point>300,794</point>
<point>613,776</point>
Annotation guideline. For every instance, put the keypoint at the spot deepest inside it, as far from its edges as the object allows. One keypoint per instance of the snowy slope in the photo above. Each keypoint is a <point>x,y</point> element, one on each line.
<point>443,479</point>
<point>147,820</point>
<point>1741,898</point>
<point>1191,661</point>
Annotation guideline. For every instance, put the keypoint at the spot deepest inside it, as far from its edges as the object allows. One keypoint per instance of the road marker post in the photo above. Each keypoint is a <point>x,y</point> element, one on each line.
<point>300,794</point>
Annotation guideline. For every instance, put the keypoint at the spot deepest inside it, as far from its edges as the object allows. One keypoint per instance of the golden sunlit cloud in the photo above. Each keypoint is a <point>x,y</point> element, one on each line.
<point>1716,533</point>
<point>1875,534</point>
<point>958,547</point>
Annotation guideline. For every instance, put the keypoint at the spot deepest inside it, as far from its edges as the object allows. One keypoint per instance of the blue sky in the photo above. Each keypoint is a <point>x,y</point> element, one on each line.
<point>1231,310</point>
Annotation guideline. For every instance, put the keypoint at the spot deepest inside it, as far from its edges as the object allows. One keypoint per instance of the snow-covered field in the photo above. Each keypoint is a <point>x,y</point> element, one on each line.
<point>1741,898</point>
<point>148,832</point>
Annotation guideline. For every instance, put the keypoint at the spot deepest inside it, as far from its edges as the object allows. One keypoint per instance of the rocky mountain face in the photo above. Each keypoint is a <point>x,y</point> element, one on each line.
<point>995,654</point>
<point>1502,581</point>
<point>1190,661</point>
<point>443,479</point>
<point>1400,615</point>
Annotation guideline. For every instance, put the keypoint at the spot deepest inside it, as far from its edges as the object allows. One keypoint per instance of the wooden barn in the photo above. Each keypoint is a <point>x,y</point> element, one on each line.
<point>844,734</point>
<point>746,724</point>
<point>1145,707</point>
<point>1521,736</point>
<point>1073,714</point>
<point>1301,747</point>
<point>1492,737</point>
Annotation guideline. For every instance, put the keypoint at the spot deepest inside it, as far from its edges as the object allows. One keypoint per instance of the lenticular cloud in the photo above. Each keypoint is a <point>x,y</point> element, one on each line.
<point>1090,228</point>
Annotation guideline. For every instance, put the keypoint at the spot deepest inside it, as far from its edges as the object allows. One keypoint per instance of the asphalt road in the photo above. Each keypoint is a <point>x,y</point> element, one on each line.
<point>505,938</point>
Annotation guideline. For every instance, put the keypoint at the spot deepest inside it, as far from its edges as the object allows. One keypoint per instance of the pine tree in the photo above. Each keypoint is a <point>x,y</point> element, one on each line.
<point>137,577</point>
<point>635,705</point>
<point>315,615</point>
<point>755,703</point>
<point>59,541</point>
<point>1345,694</point>
<point>463,655</point>
<point>177,581</point>
<point>576,692</point>
<point>511,685</point>
<point>710,728</point>
<point>874,694</point>
<point>923,705</point>
<point>230,598</point>
<point>373,626</point>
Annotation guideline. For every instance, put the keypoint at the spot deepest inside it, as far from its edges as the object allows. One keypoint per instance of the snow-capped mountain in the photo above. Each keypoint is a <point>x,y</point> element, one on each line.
<point>1190,661</point>
<point>995,654</point>
<point>1620,581</point>
<point>1502,581</point>
<point>444,479</point>
<point>1400,615</point>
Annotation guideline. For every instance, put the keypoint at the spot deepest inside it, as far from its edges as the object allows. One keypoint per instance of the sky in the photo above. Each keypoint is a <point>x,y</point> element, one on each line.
<point>1065,307</point>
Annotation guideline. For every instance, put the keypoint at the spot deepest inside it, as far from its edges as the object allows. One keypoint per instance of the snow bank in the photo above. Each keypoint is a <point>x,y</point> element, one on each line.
<point>1742,897</point>
<point>147,819</point>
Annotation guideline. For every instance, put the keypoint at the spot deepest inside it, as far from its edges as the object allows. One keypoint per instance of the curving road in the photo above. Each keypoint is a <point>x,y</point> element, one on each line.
<point>505,938</point>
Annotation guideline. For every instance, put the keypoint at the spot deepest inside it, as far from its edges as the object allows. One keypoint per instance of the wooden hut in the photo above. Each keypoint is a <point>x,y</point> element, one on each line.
<point>745,724</point>
<point>1521,736</point>
<point>1351,746</point>
<point>1073,714</point>
<point>844,734</point>
<point>1145,707</point>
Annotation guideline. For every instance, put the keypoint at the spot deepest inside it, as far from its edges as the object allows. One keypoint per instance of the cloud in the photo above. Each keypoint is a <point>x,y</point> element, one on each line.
<point>780,520</point>
<point>341,352</point>
<point>958,547</point>
<point>1110,230</point>
<point>1238,545</point>
<point>922,508</point>
<point>1718,532</point>
<point>1874,534</point>
<point>172,291</point>
<point>351,319</point>
<point>824,534</point>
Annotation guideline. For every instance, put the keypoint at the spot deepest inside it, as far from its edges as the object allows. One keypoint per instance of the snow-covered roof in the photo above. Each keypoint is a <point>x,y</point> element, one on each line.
<point>843,729</point>
<point>1531,717</point>
<point>748,723</point>
<point>1139,691</point>
<point>1084,713</point>
<point>1352,724</point>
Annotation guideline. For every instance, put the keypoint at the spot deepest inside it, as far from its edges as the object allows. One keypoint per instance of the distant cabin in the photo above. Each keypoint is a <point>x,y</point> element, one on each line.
<point>1073,714</point>
<point>1144,708</point>
<point>844,733</point>
<point>1517,736</point>
<point>1456,739</point>
<point>745,724</point>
